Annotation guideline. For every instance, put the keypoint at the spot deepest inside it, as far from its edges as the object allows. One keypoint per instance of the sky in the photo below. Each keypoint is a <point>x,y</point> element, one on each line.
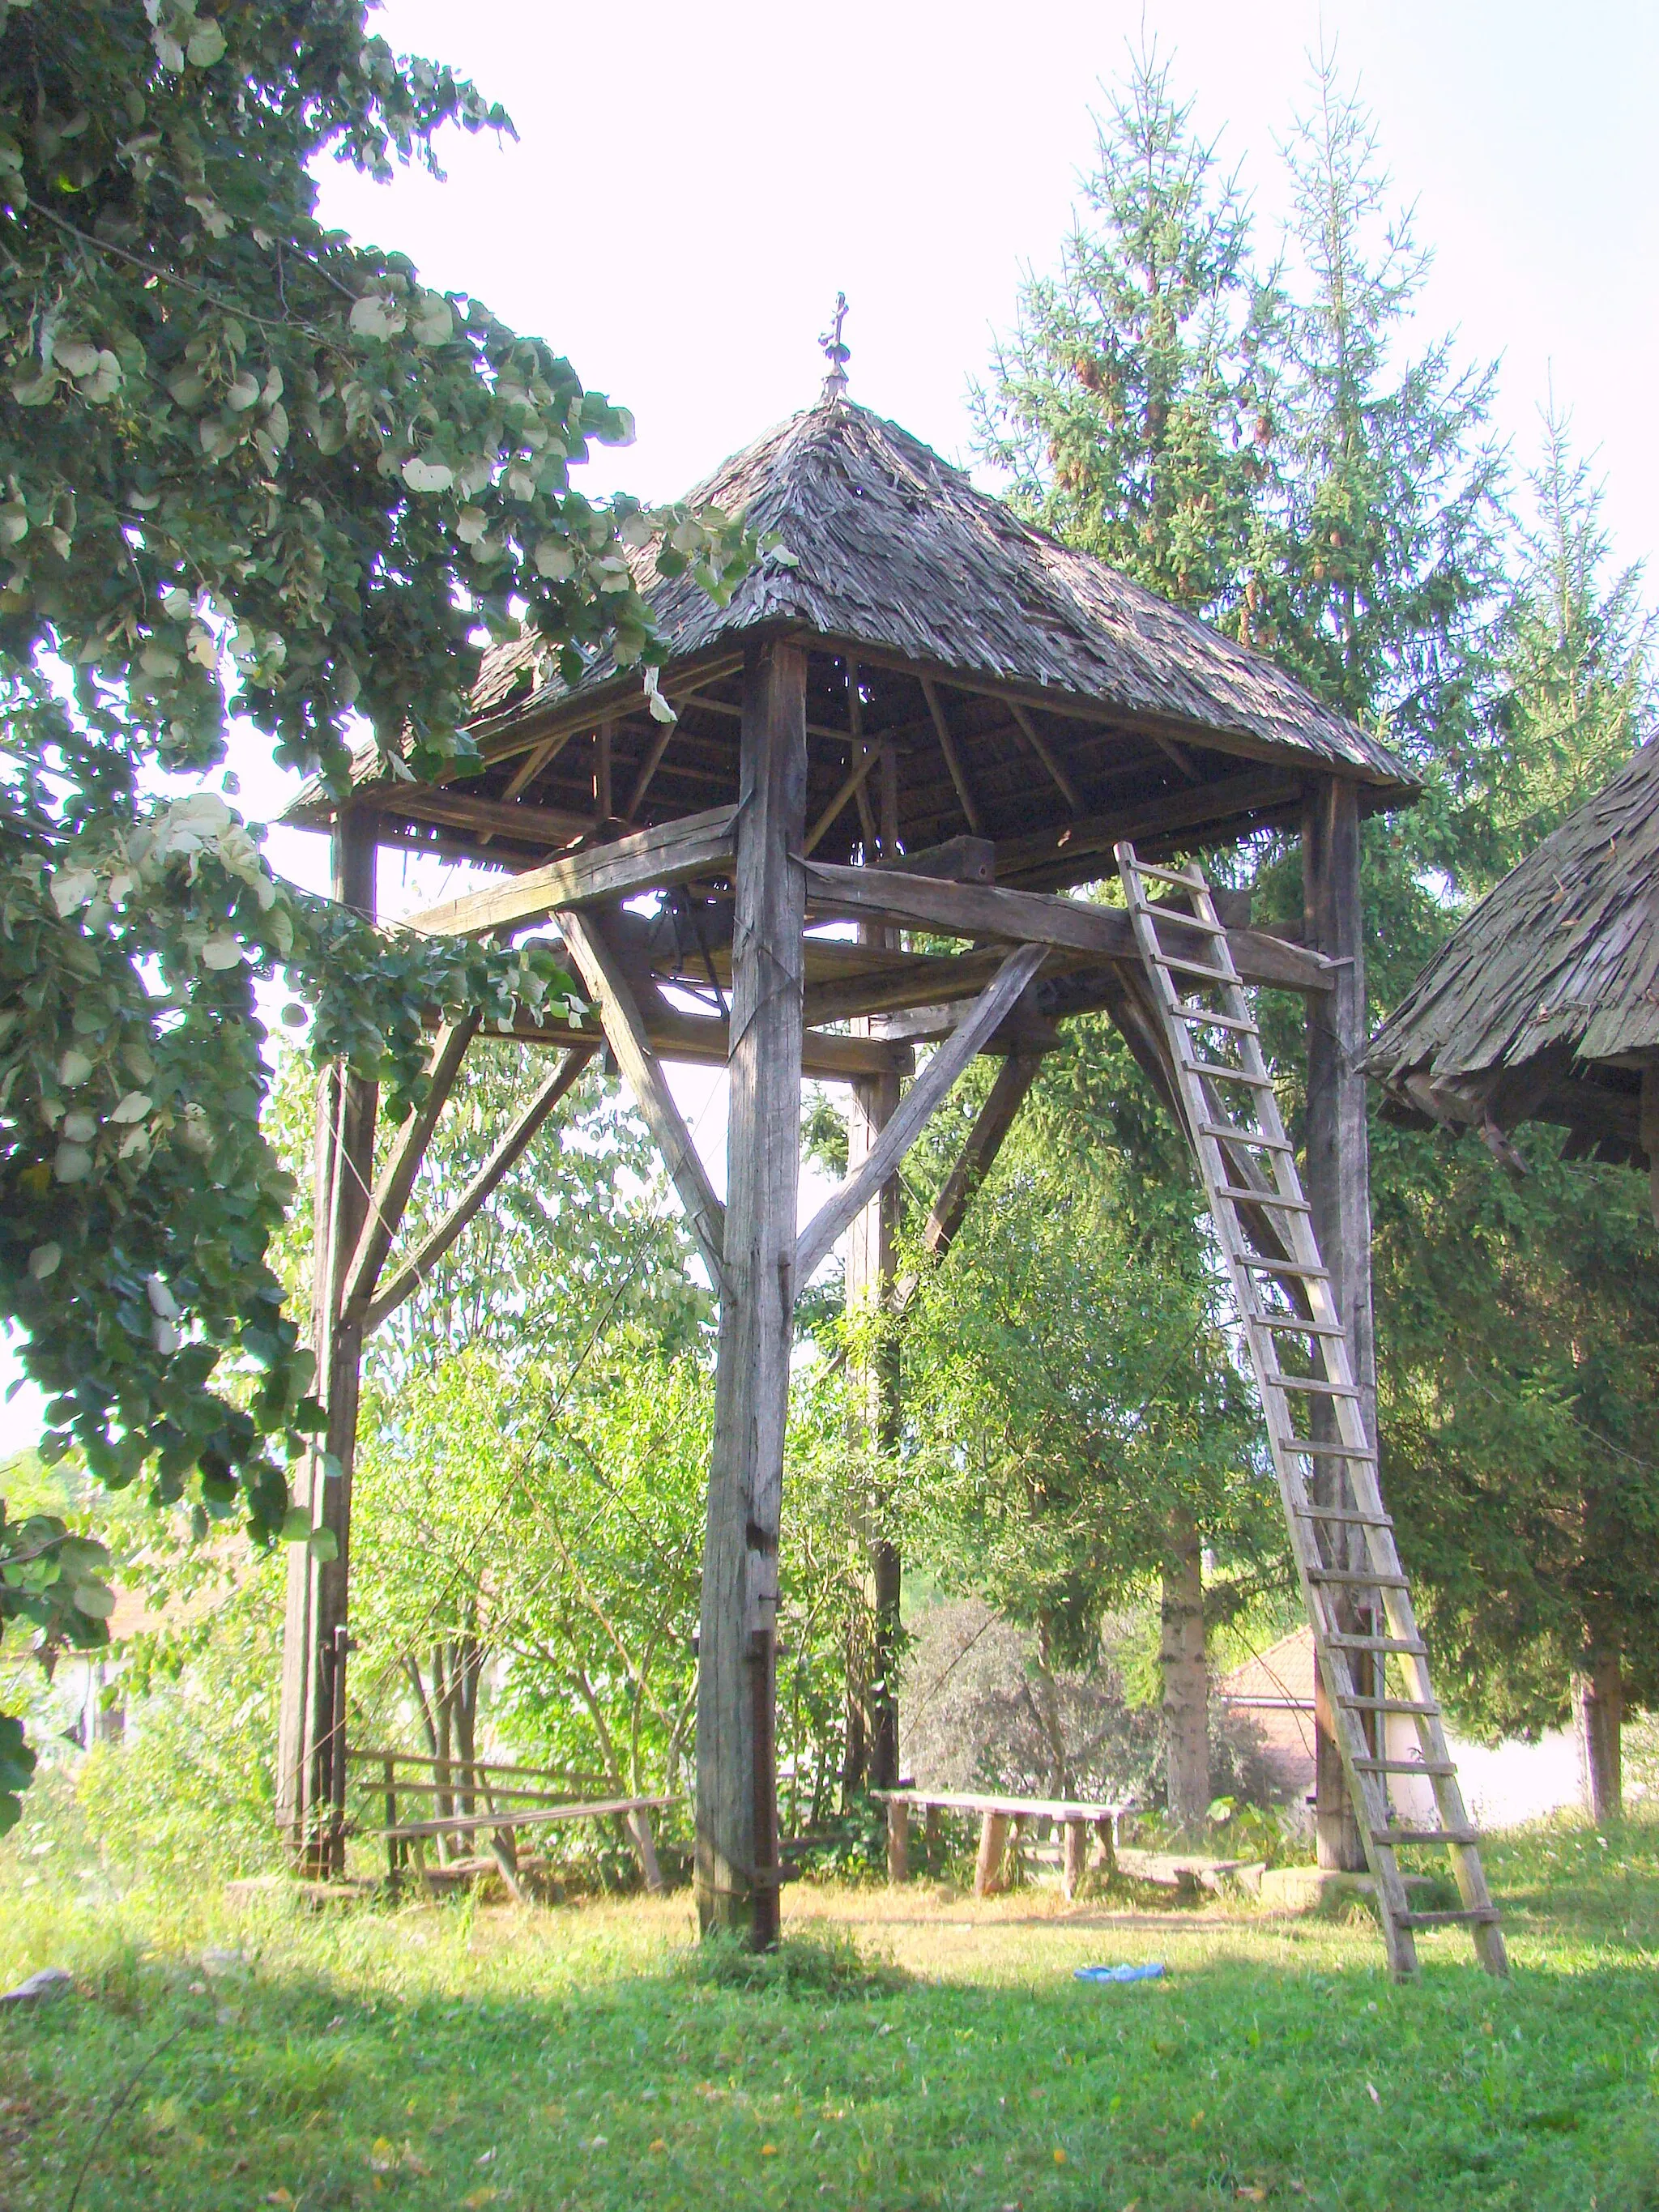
<point>691,186</point>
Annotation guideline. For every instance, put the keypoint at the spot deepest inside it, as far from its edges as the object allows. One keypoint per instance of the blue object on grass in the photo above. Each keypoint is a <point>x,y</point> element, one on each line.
<point>1152,1971</point>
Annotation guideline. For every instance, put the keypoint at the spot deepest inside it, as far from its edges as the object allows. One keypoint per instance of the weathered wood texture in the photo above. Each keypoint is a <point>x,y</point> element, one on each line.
<point>646,860</point>
<point>309,1750</point>
<point>604,976</point>
<point>895,552</point>
<point>410,1271</point>
<point>737,1871</point>
<point>872,1747</point>
<point>397,1178</point>
<point>1337,1184</point>
<point>1545,1004</point>
<point>926,1094</point>
<point>978,910</point>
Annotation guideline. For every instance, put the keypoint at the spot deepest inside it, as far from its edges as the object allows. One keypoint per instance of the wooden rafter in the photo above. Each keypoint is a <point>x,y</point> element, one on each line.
<point>929,1090</point>
<point>648,767</point>
<point>1045,752</point>
<point>947,746</point>
<point>412,1272</point>
<point>864,760</point>
<point>602,972</point>
<point>397,1178</point>
<point>705,1041</point>
<point>543,755</point>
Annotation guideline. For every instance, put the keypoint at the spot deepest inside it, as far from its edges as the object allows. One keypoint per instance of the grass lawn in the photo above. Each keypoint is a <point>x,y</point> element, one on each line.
<point>458,2057</point>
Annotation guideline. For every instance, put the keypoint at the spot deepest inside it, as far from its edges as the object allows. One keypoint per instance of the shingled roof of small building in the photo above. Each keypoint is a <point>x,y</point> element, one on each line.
<point>889,547</point>
<point>1023,692</point>
<point>1545,1003</point>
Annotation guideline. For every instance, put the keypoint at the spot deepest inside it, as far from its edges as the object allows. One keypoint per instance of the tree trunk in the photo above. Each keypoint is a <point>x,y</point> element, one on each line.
<point>1186,1679</point>
<point>1599,1704</point>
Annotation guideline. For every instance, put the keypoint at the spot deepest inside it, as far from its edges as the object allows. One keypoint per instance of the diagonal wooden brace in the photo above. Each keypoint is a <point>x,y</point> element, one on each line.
<point>601,971</point>
<point>397,1178</point>
<point>928,1093</point>
<point>994,1120</point>
<point>433,1247</point>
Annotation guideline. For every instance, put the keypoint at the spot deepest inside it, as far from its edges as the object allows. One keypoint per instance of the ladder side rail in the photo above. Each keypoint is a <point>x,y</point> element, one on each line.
<point>1226,1185</point>
<point>1369,1790</point>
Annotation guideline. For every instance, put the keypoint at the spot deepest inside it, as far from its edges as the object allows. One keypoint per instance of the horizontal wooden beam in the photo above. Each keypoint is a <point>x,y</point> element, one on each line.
<point>647,859</point>
<point>929,1090</point>
<point>980,911</point>
<point>703,1040</point>
<point>1166,813</point>
<point>457,809</point>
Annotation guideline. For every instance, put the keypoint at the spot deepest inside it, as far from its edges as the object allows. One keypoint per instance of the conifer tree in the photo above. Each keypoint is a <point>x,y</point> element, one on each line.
<point>1130,407</point>
<point>1387,548</point>
<point>1576,684</point>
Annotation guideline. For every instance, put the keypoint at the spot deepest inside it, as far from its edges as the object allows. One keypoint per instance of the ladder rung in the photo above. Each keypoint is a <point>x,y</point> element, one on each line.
<point>1311,1450</point>
<point>1176,960</point>
<point>1200,1018</point>
<point>1312,1386</point>
<point>1412,1648</point>
<point>1359,1579</point>
<point>1441,1766</point>
<point>1294,1325</point>
<point>1298,1270</point>
<point>1386,1705</point>
<point>1394,1837</point>
<point>1481,1915</point>
<point>1215,1067</point>
<point>1231,1133</point>
<point>1187,880</point>
<point>1244,1196</point>
<point>1342,1513</point>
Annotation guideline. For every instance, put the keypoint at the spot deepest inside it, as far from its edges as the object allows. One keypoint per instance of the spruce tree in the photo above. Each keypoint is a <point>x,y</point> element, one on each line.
<point>1522,1323</point>
<point>1130,406</point>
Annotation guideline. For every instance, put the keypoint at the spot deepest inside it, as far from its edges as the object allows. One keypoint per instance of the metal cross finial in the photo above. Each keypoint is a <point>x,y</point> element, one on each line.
<point>837,351</point>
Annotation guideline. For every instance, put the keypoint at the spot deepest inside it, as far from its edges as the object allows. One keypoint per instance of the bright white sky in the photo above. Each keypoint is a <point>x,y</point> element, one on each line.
<point>692,184</point>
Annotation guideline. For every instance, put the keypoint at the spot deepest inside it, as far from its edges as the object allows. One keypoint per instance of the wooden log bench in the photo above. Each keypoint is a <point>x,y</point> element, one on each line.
<point>1001,1819</point>
<point>508,1808</point>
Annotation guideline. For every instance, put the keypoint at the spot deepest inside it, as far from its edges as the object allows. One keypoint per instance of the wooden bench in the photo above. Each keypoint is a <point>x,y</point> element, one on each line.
<point>509,1808</point>
<point>999,1817</point>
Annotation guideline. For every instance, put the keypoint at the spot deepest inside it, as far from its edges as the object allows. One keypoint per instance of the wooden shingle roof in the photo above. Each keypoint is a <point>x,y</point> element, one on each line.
<point>1545,1004</point>
<point>1021,692</point>
<point>892,549</point>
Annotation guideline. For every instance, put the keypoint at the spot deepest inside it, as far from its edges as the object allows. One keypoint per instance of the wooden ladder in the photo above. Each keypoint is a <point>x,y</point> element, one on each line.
<point>1353,1582</point>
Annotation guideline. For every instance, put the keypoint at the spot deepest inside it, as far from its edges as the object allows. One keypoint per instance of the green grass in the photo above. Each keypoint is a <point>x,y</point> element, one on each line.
<point>448,2056</point>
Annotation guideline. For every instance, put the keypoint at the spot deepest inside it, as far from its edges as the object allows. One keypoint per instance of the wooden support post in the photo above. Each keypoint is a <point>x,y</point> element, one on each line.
<point>932,1829</point>
<point>1106,1838</point>
<point>737,1870</point>
<point>1077,1856</point>
<point>645,1849</point>
<point>898,1841</point>
<point>993,1842</point>
<point>871,1757</point>
<point>1338,1190</point>
<point>315,1617</point>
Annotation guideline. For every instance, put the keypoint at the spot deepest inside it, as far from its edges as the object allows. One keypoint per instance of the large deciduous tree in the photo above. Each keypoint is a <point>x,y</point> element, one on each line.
<point>246,467</point>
